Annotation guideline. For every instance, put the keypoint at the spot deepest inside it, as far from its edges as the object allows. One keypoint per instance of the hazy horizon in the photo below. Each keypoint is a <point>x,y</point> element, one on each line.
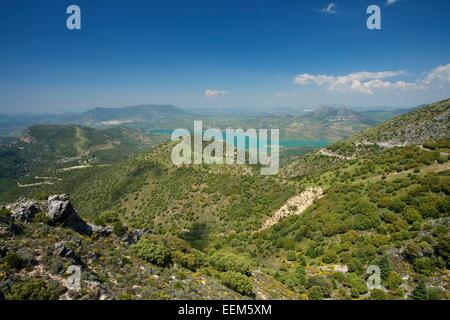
<point>211,109</point>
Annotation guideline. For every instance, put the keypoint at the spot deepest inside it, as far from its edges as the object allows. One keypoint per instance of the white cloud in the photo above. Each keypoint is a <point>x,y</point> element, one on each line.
<point>371,82</point>
<point>439,75</point>
<point>389,2</point>
<point>330,8</point>
<point>211,93</point>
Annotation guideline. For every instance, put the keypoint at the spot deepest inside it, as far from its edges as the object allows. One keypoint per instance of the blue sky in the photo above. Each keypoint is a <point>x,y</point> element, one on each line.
<point>234,53</point>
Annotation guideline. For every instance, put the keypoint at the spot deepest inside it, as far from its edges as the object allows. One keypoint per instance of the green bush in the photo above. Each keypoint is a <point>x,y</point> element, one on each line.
<point>227,261</point>
<point>13,261</point>
<point>191,260</point>
<point>34,289</point>
<point>357,285</point>
<point>393,281</point>
<point>237,282</point>
<point>152,252</point>
<point>119,229</point>
<point>420,291</point>
<point>315,293</point>
<point>106,217</point>
<point>377,294</point>
<point>424,266</point>
<point>356,266</point>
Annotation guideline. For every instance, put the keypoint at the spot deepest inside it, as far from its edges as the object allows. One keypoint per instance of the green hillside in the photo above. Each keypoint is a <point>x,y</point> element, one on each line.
<point>49,150</point>
<point>309,233</point>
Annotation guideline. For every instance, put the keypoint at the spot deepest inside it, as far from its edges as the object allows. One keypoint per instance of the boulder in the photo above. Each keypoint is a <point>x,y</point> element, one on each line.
<point>24,210</point>
<point>60,210</point>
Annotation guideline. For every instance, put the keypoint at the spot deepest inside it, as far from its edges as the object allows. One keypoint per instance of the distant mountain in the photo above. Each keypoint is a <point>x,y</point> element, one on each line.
<point>330,114</point>
<point>13,125</point>
<point>141,115</point>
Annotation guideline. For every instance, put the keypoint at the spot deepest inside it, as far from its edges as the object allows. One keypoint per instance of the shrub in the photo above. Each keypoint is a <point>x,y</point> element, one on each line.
<point>191,260</point>
<point>34,289</point>
<point>393,281</point>
<point>152,252</point>
<point>424,266</point>
<point>106,217</point>
<point>227,261</point>
<point>356,266</point>
<point>329,256</point>
<point>291,256</point>
<point>13,261</point>
<point>238,282</point>
<point>357,285</point>
<point>435,294</point>
<point>377,294</point>
<point>315,293</point>
<point>119,229</point>
<point>420,291</point>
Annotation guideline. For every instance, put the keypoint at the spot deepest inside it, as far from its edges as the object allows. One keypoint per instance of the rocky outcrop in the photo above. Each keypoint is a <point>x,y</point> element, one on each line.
<point>60,210</point>
<point>24,210</point>
<point>294,206</point>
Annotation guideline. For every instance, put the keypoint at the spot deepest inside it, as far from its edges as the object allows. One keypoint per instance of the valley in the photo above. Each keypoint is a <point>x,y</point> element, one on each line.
<point>359,194</point>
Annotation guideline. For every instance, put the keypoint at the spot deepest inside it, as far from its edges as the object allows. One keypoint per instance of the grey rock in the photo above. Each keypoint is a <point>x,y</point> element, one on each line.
<point>24,210</point>
<point>63,251</point>
<point>60,210</point>
<point>101,231</point>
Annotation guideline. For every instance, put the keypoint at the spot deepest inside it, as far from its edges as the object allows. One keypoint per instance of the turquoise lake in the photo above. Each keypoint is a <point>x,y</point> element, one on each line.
<point>283,143</point>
